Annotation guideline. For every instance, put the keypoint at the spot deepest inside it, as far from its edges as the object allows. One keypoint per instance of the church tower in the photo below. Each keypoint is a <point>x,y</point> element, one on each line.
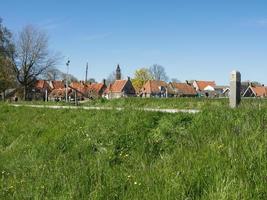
<point>118,73</point>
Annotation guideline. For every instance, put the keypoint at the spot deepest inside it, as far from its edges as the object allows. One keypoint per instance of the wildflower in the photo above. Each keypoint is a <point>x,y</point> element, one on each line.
<point>135,183</point>
<point>3,172</point>
<point>126,155</point>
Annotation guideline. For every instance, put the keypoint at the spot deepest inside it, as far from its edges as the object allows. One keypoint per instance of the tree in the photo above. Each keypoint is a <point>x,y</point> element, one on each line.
<point>141,76</point>
<point>175,80</point>
<point>52,74</point>
<point>69,77</point>
<point>158,73</point>
<point>7,50</point>
<point>33,57</point>
<point>7,76</point>
<point>111,78</point>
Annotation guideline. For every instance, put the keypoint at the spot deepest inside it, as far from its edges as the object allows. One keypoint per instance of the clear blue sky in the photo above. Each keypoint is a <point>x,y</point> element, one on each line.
<point>197,39</point>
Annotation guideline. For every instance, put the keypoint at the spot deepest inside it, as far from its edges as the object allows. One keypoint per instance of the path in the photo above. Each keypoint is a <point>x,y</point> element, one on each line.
<point>109,108</point>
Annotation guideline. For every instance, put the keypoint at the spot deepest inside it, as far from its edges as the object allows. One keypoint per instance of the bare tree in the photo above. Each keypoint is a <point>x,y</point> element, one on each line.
<point>69,77</point>
<point>158,72</point>
<point>33,57</point>
<point>175,80</point>
<point>52,74</point>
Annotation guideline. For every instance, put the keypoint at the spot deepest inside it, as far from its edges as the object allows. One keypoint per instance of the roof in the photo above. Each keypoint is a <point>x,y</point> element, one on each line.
<point>221,87</point>
<point>203,84</point>
<point>259,91</point>
<point>153,86</point>
<point>117,86</point>
<point>41,84</point>
<point>96,87</point>
<point>58,84</point>
<point>57,93</point>
<point>184,88</point>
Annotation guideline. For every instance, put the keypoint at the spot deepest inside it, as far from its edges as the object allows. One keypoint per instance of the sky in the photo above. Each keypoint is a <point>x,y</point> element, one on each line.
<point>191,39</point>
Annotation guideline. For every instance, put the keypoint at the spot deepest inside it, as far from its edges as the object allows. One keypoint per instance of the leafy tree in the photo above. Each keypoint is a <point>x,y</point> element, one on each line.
<point>7,51</point>
<point>141,76</point>
<point>158,72</point>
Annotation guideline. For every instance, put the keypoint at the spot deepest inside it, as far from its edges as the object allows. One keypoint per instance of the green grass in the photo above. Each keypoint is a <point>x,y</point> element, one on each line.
<point>177,103</point>
<point>75,154</point>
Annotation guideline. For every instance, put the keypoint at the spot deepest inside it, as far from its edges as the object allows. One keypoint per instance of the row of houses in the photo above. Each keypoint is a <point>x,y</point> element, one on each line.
<point>58,90</point>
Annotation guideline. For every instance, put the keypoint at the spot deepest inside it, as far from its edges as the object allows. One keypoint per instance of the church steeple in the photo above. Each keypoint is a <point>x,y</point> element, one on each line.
<point>118,73</point>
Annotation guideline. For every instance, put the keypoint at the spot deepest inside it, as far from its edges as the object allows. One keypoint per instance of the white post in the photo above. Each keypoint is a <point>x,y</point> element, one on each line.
<point>46,95</point>
<point>235,89</point>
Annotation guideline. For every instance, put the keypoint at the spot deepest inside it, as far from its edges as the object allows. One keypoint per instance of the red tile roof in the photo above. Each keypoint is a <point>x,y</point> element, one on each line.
<point>203,84</point>
<point>40,84</point>
<point>58,84</point>
<point>184,88</point>
<point>117,86</point>
<point>153,86</point>
<point>259,91</point>
<point>59,93</point>
<point>96,87</point>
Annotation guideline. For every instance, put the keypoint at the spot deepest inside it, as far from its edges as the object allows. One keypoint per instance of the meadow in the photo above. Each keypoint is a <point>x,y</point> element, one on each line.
<point>218,153</point>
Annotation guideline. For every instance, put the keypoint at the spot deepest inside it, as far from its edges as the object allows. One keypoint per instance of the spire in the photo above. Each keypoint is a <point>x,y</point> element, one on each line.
<point>118,73</point>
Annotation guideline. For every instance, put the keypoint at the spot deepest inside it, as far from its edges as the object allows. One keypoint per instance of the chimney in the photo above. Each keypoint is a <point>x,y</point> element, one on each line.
<point>129,79</point>
<point>104,81</point>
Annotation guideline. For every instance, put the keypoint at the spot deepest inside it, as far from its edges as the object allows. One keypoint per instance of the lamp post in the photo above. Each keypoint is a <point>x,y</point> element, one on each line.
<point>67,77</point>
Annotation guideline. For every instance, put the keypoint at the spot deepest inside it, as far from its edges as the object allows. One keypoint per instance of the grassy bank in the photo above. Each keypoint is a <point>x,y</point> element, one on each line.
<point>62,154</point>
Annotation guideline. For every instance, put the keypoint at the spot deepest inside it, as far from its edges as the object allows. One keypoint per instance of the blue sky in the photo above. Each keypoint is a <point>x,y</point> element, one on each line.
<point>192,39</point>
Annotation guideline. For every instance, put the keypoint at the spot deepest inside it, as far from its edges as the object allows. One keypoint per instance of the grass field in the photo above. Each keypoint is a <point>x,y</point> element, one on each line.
<point>175,103</point>
<point>75,154</point>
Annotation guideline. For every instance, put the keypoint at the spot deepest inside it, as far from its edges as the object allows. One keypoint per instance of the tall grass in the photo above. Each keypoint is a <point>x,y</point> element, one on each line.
<point>74,154</point>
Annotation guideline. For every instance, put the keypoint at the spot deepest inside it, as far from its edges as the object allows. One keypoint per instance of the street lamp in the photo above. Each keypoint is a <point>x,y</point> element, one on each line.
<point>67,77</point>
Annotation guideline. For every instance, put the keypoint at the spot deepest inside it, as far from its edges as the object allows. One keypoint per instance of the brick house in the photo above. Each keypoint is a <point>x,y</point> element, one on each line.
<point>96,90</point>
<point>183,90</point>
<point>256,91</point>
<point>119,89</point>
<point>154,88</point>
<point>41,90</point>
<point>57,84</point>
<point>205,88</point>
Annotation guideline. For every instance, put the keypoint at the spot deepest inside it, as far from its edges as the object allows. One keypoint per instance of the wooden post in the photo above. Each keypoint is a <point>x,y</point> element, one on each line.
<point>75,93</point>
<point>235,89</point>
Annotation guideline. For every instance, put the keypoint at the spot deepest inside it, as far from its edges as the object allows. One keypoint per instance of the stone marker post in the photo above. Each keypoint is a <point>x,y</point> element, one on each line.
<point>235,89</point>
